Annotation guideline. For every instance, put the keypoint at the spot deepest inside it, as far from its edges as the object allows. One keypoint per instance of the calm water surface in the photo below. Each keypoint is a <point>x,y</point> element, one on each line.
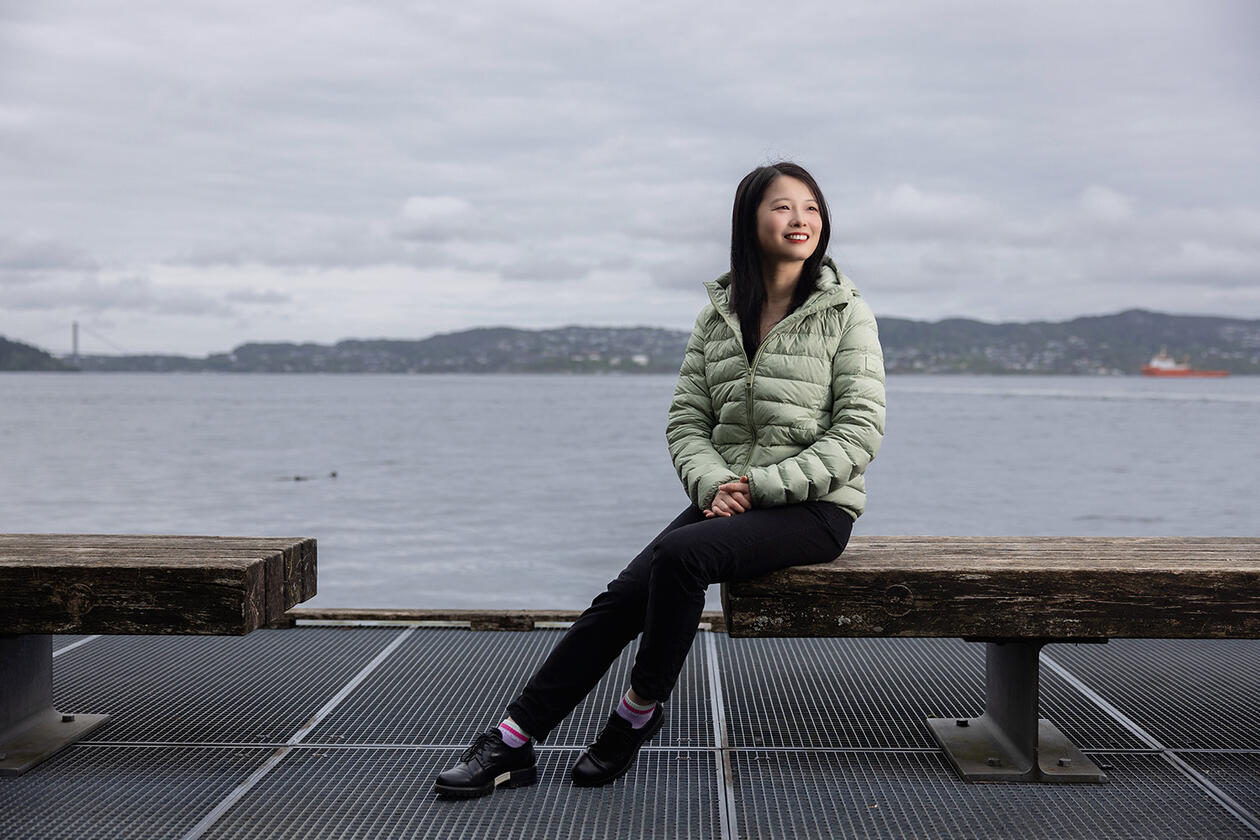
<point>534,491</point>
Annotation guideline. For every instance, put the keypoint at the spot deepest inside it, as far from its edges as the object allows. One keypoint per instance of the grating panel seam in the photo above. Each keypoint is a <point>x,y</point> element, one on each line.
<point>388,794</point>
<point>374,745</point>
<point>428,693</point>
<point>1236,809</point>
<point>207,822</point>
<point>1215,751</point>
<point>875,693</point>
<point>346,689</point>
<point>1160,684</point>
<point>1211,789</point>
<point>365,745</point>
<point>216,813</point>
<point>74,645</point>
<point>259,687</point>
<point>826,795</point>
<point>119,794</point>
<point>722,761</point>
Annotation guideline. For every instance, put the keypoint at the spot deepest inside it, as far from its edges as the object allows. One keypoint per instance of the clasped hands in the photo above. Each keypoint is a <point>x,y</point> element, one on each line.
<point>732,498</point>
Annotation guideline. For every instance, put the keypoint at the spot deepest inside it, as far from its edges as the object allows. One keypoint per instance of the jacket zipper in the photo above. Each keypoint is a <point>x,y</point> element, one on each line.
<point>752,374</point>
<point>752,367</point>
<point>752,429</point>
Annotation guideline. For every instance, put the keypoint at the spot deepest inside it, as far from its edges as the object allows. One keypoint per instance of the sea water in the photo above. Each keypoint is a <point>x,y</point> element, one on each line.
<point>533,491</point>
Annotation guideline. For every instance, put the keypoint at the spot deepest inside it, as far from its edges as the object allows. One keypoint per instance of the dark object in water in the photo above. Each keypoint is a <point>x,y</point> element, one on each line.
<point>332,474</point>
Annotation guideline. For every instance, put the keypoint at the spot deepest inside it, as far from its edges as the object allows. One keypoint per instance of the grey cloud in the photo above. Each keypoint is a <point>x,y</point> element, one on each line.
<point>908,213</point>
<point>540,266</point>
<point>1203,264</point>
<point>19,278</point>
<point>295,242</point>
<point>259,296</point>
<point>22,256</point>
<point>426,218</point>
<point>127,294</point>
<point>688,267</point>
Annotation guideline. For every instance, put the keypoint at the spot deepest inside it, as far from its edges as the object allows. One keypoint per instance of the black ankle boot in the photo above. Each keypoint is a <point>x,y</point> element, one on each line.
<point>615,749</point>
<point>487,764</point>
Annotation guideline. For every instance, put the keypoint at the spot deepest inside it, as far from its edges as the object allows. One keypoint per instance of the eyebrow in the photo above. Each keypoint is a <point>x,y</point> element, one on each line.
<point>785,198</point>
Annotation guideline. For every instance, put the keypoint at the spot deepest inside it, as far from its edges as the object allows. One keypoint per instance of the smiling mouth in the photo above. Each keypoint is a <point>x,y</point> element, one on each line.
<point>797,237</point>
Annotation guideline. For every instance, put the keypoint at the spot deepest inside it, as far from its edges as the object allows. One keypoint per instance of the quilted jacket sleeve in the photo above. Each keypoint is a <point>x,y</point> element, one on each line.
<point>842,452</point>
<point>690,426</point>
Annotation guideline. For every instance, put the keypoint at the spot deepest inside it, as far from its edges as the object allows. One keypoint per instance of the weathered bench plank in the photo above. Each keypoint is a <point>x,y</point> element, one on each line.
<point>1051,588</point>
<point>75,583</point>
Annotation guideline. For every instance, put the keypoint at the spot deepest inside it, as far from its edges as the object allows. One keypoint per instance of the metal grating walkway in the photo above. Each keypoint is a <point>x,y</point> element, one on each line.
<point>338,731</point>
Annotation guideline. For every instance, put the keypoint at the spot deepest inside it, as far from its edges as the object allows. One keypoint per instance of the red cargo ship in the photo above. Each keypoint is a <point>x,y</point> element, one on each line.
<point>1165,365</point>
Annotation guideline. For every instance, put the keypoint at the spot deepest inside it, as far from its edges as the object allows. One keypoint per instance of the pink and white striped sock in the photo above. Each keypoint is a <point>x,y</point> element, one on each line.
<point>636,714</point>
<point>512,734</point>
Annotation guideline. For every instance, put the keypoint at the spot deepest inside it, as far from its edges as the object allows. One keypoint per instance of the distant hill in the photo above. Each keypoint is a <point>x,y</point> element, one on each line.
<point>1107,344</point>
<point>1119,343</point>
<point>483,350</point>
<point>14,355</point>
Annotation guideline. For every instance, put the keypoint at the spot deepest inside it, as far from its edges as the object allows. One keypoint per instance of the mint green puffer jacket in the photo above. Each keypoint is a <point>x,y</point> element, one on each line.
<point>801,420</point>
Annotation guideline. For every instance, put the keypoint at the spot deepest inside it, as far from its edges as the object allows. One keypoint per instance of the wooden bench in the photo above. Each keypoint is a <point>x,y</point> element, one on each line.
<point>53,583</point>
<point>1015,594</point>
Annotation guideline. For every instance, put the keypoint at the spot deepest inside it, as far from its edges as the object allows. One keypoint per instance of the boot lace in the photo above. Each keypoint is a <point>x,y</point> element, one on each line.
<point>484,740</point>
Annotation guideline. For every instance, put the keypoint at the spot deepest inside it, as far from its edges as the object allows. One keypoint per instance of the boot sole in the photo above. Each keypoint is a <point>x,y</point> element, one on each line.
<point>513,779</point>
<point>624,770</point>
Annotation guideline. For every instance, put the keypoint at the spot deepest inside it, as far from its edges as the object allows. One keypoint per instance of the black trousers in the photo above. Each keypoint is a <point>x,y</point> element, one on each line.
<point>661,595</point>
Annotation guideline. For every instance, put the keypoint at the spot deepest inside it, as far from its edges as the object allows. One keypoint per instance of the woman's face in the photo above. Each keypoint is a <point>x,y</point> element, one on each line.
<point>788,222</point>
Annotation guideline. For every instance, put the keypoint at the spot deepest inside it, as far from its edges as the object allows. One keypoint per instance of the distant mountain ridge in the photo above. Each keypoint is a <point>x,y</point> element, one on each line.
<point>1105,344</point>
<point>1100,344</point>
<point>14,355</point>
<point>480,350</point>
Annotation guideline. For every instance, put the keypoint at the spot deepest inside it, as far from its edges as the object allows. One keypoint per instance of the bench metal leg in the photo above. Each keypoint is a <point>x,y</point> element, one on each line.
<point>1009,743</point>
<point>31,730</point>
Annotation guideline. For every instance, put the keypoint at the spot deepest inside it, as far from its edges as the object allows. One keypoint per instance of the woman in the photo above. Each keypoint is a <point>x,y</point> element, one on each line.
<point>778,410</point>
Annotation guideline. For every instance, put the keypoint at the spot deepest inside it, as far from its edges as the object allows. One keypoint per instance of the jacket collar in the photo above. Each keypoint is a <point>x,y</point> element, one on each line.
<point>834,289</point>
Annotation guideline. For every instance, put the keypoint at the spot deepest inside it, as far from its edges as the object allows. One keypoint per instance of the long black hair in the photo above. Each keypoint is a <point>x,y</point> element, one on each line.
<point>748,291</point>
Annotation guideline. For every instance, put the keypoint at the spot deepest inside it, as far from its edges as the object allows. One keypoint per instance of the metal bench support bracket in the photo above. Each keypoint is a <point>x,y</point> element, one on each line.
<point>31,730</point>
<point>1009,743</point>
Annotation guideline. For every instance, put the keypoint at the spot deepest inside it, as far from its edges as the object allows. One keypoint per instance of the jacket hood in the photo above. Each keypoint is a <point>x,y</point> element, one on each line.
<point>833,288</point>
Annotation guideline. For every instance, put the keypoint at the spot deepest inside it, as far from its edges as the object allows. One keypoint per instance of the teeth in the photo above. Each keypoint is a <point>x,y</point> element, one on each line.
<point>800,237</point>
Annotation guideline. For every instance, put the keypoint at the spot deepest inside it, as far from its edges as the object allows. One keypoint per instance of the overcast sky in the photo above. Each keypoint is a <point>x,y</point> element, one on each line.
<point>186,176</point>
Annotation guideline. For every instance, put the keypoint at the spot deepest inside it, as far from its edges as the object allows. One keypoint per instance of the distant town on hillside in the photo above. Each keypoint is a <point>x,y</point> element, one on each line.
<point>1109,344</point>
